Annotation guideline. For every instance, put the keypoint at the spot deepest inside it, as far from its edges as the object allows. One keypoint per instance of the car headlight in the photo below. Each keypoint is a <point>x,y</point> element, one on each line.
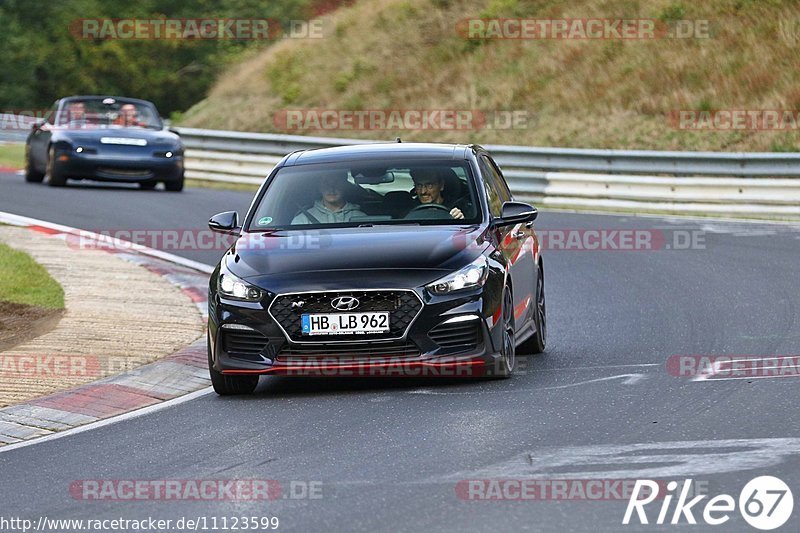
<point>470,277</point>
<point>232,287</point>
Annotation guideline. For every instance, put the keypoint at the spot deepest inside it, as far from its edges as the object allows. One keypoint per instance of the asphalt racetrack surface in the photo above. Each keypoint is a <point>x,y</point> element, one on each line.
<point>394,454</point>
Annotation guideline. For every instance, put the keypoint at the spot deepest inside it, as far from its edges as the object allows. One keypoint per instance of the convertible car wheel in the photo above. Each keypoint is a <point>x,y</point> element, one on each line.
<point>55,176</point>
<point>31,174</point>
<point>174,186</point>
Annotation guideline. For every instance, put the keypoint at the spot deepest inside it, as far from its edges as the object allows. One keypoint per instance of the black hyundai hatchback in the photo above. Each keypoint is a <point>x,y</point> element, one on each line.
<point>395,259</point>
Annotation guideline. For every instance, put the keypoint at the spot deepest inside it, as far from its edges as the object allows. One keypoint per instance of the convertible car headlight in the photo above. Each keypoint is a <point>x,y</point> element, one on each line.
<point>470,277</point>
<point>232,287</point>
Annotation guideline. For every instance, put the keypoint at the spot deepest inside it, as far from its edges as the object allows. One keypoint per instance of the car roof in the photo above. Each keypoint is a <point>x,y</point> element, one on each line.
<point>380,151</point>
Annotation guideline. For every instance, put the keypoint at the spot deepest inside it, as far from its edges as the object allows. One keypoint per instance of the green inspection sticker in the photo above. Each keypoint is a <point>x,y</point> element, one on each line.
<point>263,221</point>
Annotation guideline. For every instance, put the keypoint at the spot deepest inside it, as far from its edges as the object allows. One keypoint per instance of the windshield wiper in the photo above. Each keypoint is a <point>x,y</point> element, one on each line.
<point>398,223</point>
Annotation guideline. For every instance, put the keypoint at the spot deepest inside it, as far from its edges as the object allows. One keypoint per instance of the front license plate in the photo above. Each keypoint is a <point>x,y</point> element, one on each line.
<point>345,323</point>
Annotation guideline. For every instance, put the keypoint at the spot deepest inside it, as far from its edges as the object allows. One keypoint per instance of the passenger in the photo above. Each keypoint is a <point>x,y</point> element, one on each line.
<point>429,185</point>
<point>332,206</point>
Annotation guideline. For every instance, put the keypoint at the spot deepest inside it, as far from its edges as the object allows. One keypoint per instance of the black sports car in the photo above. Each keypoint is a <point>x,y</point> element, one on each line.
<point>393,259</point>
<point>104,138</point>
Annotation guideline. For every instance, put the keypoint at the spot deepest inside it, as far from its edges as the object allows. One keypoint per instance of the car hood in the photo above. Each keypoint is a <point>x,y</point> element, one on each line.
<point>93,135</point>
<point>370,255</point>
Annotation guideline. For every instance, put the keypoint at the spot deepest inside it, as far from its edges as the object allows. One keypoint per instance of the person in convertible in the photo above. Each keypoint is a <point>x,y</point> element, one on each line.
<point>332,207</point>
<point>128,117</point>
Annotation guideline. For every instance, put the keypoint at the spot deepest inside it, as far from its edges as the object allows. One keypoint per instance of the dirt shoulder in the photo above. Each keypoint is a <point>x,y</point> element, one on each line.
<point>21,322</point>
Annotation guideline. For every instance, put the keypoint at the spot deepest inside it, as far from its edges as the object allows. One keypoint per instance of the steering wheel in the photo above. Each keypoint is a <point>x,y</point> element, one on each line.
<point>435,211</point>
<point>430,206</point>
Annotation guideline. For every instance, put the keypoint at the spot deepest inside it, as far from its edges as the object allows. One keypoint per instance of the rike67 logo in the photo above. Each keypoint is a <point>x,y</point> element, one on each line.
<point>765,503</point>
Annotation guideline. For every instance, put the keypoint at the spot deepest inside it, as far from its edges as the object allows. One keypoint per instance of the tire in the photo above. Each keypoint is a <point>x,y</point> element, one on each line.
<point>230,385</point>
<point>31,174</point>
<point>508,360</point>
<point>147,185</point>
<point>55,176</point>
<point>174,186</point>
<point>538,341</point>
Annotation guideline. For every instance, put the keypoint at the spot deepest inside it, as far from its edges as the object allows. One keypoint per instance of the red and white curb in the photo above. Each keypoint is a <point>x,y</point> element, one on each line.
<point>167,379</point>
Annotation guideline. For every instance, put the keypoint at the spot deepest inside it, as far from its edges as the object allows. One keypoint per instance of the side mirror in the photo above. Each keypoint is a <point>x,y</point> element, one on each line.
<point>227,222</point>
<point>516,213</point>
<point>37,125</point>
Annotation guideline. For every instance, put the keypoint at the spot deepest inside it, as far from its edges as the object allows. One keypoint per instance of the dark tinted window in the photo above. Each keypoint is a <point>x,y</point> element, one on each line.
<point>494,192</point>
<point>499,180</point>
<point>355,194</point>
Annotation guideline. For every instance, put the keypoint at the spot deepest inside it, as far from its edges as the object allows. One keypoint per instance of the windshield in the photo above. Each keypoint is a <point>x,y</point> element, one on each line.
<point>361,194</point>
<point>107,113</point>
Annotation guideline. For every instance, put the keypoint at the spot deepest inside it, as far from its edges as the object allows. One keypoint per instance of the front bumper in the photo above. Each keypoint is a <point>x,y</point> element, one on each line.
<point>120,169</point>
<point>448,336</point>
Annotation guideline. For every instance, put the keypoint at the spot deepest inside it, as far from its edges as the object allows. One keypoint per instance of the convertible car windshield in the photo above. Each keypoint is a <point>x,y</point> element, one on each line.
<point>107,113</point>
<point>350,194</point>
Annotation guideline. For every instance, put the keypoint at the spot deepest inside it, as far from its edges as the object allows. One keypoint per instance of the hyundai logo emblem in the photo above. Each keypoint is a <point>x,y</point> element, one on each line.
<point>345,303</point>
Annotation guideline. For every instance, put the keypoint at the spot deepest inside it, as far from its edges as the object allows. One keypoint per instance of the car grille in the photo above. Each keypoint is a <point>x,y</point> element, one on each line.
<point>354,351</point>
<point>456,335</point>
<point>241,344</point>
<point>127,172</point>
<point>403,307</point>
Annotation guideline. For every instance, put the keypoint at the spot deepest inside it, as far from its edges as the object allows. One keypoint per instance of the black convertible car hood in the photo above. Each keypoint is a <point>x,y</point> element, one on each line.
<point>266,258</point>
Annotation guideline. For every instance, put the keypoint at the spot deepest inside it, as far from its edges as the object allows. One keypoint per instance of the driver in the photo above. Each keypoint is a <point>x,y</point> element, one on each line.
<point>128,116</point>
<point>429,185</point>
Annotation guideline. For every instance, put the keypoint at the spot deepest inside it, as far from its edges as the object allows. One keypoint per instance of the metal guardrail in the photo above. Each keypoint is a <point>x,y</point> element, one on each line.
<point>601,161</point>
<point>762,185</point>
<point>13,136</point>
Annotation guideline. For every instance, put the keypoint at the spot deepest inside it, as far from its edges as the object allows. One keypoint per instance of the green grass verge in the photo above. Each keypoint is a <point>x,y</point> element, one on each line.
<point>12,155</point>
<point>24,281</point>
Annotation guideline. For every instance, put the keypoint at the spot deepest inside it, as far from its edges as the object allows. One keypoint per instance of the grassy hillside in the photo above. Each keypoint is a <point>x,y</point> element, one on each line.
<point>407,54</point>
